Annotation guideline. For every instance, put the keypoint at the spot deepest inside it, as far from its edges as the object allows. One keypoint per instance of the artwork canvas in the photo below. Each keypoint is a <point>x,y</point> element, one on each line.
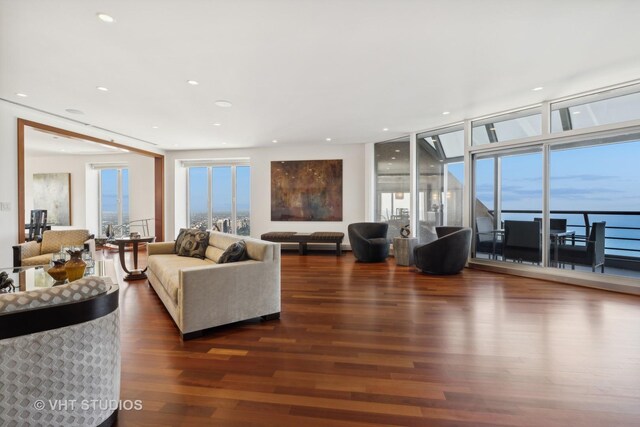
<point>52,191</point>
<point>306,190</point>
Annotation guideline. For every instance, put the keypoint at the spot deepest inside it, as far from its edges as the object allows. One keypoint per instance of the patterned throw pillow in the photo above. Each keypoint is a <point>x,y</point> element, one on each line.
<point>179,240</point>
<point>193,244</point>
<point>234,253</point>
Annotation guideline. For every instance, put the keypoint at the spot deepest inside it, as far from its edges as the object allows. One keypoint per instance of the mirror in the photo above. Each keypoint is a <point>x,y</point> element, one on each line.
<point>87,182</point>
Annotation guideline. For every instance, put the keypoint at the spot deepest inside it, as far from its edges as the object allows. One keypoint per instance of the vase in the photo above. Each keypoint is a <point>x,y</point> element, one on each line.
<point>75,266</point>
<point>58,271</point>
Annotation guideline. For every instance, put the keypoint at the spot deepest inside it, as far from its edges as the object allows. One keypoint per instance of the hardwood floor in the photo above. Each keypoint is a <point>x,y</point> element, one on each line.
<point>375,344</point>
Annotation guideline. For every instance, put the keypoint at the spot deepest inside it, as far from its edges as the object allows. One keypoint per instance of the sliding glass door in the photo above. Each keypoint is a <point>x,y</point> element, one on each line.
<point>507,201</point>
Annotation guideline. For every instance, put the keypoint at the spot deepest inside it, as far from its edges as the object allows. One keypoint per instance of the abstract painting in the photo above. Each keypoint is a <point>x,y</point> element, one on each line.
<point>51,191</point>
<point>306,190</point>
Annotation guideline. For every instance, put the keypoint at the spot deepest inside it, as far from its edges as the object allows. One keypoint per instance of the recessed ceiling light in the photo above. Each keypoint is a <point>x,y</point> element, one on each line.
<point>224,104</point>
<point>393,158</point>
<point>193,82</point>
<point>397,151</point>
<point>155,127</point>
<point>102,88</point>
<point>275,141</point>
<point>576,112</point>
<point>328,139</point>
<point>105,18</point>
<point>389,163</point>
<point>74,111</point>
<point>492,128</point>
<point>217,124</point>
<point>535,89</point>
<point>21,95</point>
<point>385,129</point>
<point>444,113</point>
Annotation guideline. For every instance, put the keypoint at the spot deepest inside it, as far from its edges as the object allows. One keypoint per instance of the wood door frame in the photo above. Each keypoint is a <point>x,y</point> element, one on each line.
<point>158,171</point>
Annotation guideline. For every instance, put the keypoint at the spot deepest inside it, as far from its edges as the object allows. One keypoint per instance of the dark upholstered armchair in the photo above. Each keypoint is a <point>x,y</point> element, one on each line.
<point>591,253</point>
<point>522,241</point>
<point>369,241</point>
<point>446,255</point>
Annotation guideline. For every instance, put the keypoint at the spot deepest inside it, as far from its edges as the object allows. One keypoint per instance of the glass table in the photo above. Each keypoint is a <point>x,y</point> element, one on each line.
<point>33,277</point>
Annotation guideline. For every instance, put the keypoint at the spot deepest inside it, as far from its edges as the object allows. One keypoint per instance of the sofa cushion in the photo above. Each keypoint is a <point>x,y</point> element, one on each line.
<point>193,244</point>
<point>213,253</point>
<point>52,240</point>
<point>85,288</point>
<point>235,252</point>
<point>167,268</point>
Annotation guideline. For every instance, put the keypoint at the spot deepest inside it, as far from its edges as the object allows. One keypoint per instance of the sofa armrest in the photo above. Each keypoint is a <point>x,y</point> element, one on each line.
<point>224,293</point>
<point>161,248</point>
<point>25,250</point>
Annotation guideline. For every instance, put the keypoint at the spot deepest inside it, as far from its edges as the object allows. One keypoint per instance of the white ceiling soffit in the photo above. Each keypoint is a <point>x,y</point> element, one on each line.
<point>300,72</point>
<point>39,143</point>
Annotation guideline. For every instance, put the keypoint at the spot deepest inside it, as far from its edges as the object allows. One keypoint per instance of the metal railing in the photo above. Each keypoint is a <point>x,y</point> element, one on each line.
<point>631,261</point>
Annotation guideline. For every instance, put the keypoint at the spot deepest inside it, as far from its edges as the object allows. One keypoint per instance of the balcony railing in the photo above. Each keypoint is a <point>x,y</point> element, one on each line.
<point>627,256</point>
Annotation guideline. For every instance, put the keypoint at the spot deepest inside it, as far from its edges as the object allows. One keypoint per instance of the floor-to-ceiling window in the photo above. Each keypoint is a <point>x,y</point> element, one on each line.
<point>219,197</point>
<point>114,197</point>
<point>393,186</point>
<point>440,180</point>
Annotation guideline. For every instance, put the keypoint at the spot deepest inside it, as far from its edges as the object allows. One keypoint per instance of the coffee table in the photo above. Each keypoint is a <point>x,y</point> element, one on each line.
<point>33,277</point>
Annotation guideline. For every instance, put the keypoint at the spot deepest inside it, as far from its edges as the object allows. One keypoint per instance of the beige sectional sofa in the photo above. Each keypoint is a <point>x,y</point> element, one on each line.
<point>201,294</point>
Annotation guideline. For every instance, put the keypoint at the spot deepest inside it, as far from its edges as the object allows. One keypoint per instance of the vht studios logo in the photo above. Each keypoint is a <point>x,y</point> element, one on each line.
<point>88,405</point>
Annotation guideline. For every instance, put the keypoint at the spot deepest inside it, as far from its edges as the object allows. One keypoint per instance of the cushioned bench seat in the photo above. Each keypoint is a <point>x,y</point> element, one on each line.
<point>305,238</point>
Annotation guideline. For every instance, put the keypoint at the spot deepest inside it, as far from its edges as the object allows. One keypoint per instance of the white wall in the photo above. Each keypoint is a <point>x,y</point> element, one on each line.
<point>353,193</point>
<point>84,184</point>
<point>9,114</point>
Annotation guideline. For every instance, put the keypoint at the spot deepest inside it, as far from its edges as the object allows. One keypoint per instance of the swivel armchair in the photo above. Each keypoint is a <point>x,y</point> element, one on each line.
<point>446,255</point>
<point>369,241</point>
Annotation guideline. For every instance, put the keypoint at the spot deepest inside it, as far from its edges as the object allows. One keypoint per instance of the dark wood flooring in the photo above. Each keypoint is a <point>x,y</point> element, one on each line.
<point>376,344</point>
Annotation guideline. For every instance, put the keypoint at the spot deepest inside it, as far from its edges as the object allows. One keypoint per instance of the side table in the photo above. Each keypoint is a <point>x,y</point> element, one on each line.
<point>135,274</point>
<point>403,250</point>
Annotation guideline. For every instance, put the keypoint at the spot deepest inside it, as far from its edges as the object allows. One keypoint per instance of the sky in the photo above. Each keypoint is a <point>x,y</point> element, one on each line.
<point>604,177</point>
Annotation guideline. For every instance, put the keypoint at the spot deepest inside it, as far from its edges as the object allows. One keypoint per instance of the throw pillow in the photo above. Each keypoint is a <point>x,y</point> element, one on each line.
<point>234,253</point>
<point>179,239</point>
<point>194,244</point>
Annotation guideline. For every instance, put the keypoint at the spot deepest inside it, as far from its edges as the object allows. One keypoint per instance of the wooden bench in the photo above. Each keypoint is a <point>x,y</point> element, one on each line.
<point>303,239</point>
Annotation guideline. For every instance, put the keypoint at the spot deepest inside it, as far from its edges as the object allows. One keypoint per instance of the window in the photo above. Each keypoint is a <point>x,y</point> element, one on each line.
<point>219,195</point>
<point>507,127</point>
<point>597,181</point>
<point>393,193</point>
<point>440,180</point>
<point>114,197</point>
<point>614,106</point>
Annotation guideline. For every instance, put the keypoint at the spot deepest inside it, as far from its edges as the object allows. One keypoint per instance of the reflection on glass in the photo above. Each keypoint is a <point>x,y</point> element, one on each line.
<point>595,110</point>
<point>522,124</point>
<point>440,181</point>
<point>393,197</point>
<point>125,195</point>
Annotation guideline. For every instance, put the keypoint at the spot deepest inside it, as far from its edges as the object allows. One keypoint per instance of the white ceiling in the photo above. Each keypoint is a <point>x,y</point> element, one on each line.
<point>301,71</point>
